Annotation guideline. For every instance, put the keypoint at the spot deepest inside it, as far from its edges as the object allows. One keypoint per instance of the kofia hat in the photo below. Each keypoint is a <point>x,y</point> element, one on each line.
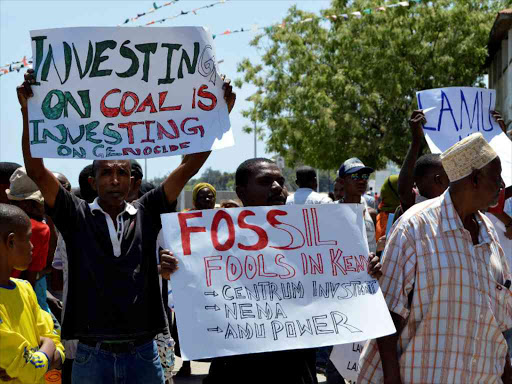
<point>23,188</point>
<point>472,152</point>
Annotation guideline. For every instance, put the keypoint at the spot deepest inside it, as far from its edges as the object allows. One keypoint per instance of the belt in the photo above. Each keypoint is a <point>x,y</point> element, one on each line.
<point>116,347</point>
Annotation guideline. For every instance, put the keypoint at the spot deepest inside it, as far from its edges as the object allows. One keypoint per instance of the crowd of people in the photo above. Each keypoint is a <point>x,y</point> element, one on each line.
<point>84,274</point>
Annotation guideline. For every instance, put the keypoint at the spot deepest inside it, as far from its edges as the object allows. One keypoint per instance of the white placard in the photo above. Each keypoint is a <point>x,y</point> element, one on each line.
<point>272,278</point>
<point>457,112</point>
<point>345,358</point>
<point>121,92</point>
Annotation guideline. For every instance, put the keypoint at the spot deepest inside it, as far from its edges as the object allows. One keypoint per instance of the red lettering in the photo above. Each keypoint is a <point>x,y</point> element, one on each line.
<point>129,126</point>
<point>316,230</point>
<point>348,263</point>
<point>194,99</point>
<point>207,95</point>
<point>335,262</point>
<point>233,268</point>
<point>361,264</point>
<point>209,268</point>
<point>135,99</point>
<point>161,101</point>
<point>222,215</point>
<point>261,266</point>
<point>192,130</point>
<point>148,150</point>
<point>107,111</point>
<point>317,266</point>
<point>161,132</point>
<point>262,235</point>
<point>148,132</point>
<point>157,150</point>
<point>127,151</point>
<point>186,230</point>
<point>289,269</point>
<point>148,102</point>
<point>271,218</point>
<point>251,266</point>
<point>307,227</point>
<point>185,144</point>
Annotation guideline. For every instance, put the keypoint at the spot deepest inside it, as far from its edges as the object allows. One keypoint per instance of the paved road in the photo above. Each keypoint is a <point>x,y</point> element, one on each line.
<point>200,370</point>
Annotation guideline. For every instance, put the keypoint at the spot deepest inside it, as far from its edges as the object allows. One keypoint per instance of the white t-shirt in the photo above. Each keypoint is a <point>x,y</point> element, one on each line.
<point>307,196</point>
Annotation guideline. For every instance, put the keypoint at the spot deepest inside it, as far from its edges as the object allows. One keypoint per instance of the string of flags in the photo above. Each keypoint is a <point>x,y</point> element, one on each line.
<point>27,63</point>
<point>183,13</point>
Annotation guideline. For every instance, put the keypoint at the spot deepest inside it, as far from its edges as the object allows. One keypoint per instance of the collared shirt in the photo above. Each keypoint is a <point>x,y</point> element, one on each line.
<point>307,196</point>
<point>115,235</point>
<point>451,295</point>
<point>113,290</point>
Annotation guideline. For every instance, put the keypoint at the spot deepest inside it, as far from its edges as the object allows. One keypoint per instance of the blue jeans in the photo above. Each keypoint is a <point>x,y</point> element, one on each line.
<point>96,366</point>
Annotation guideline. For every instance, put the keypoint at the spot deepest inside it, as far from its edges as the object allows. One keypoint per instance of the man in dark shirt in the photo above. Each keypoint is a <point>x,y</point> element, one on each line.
<point>114,305</point>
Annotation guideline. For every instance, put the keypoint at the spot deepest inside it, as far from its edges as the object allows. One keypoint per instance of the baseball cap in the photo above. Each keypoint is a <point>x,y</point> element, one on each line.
<point>353,165</point>
<point>23,187</point>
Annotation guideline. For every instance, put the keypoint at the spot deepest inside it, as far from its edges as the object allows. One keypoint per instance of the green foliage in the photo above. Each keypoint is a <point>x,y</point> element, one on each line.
<point>328,91</point>
<point>222,181</point>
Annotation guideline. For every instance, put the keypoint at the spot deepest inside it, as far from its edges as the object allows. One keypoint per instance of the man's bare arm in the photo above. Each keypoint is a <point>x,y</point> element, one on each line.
<point>388,352</point>
<point>406,176</point>
<point>191,164</point>
<point>45,180</point>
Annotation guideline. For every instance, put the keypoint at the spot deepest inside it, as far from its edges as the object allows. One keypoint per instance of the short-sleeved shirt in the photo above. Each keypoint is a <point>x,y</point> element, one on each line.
<point>307,196</point>
<point>452,295</point>
<point>113,291</point>
<point>40,239</point>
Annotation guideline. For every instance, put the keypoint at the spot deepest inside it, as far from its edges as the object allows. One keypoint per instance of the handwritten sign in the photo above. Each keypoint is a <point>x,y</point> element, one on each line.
<point>345,358</point>
<point>457,112</point>
<point>120,93</point>
<point>272,278</point>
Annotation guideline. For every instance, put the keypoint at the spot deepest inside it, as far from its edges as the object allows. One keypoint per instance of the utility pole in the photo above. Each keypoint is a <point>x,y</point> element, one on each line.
<point>146,170</point>
<point>255,141</point>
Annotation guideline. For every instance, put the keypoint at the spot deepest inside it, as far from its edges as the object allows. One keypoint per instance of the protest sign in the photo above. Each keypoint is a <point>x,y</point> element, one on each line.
<point>120,93</point>
<point>272,278</point>
<point>457,112</point>
<point>345,358</point>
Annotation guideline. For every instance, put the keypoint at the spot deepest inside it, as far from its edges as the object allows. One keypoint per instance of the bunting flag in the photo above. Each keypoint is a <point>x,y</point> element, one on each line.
<point>24,63</point>
<point>183,13</point>
<point>155,7</point>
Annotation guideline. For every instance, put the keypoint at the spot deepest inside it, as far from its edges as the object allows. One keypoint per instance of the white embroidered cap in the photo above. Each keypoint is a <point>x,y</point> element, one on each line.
<point>472,152</point>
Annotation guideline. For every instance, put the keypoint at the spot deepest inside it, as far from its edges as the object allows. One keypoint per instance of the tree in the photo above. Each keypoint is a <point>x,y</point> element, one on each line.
<point>331,90</point>
<point>222,181</point>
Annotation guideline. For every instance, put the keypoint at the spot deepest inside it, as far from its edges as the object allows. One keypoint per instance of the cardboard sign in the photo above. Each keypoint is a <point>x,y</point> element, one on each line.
<point>121,93</point>
<point>345,358</point>
<point>272,278</point>
<point>457,112</point>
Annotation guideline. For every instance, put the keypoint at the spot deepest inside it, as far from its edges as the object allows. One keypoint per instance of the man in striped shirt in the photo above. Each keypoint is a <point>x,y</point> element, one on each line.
<point>446,283</point>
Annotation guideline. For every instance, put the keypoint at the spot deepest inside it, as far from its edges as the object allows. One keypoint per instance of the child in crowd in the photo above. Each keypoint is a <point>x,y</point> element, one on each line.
<point>25,194</point>
<point>29,344</point>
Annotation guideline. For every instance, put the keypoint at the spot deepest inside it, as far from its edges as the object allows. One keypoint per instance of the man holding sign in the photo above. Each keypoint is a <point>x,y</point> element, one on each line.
<point>114,303</point>
<point>446,282</point>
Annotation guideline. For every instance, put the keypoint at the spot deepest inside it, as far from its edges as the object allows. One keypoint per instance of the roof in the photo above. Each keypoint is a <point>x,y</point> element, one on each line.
<point>502,25</point>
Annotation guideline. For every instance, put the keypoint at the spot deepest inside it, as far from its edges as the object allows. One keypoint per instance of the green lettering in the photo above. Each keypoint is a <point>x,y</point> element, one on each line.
<point>129,54</point>
<point>86,102</point>
<point>98,59</point>
<point>113,134</point>
<point>62,150</point>
<point>63,132</point>
<point>95,149</point>
<point>185,58</point>
<point>147,49</point>
<point>55,112</point>
<point>35,139</point>
<point>170,49</point>
<point>67,59</point>
<point>88,62</point>
<point>111,152</point>
<point>79,137</point>
<point>81,154</point>
<point>39,53</point>
<point>89,132</point>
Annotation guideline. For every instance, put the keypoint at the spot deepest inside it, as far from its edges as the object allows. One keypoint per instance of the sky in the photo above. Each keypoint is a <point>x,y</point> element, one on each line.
<point>19,17</point>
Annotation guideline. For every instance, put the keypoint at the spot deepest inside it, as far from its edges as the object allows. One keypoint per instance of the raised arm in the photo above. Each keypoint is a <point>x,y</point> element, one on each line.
<point>406,177</point>
<point>45,180</point>
<point>191,164</point>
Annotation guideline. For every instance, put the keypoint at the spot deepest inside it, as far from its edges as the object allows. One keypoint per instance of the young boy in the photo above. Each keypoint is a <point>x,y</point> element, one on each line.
<point>29,344</point>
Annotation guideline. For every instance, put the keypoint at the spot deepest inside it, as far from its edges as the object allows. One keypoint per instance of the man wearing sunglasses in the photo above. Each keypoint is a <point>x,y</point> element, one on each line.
<point>354,175</point>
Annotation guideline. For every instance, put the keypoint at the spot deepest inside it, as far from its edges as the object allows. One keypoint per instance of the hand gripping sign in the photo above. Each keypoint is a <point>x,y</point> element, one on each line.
<point>120,93</point>
<point>272,278</point>
<point>457,112</point>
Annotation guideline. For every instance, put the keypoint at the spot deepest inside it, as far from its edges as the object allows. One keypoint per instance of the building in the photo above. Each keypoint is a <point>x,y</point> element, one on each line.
<point>499,64</point>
